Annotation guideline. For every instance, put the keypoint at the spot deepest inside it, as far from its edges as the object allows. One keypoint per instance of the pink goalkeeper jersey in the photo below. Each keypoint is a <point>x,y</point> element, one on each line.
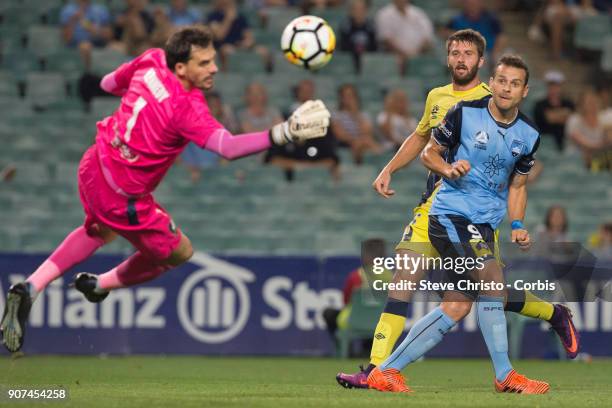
<point>156,119</point>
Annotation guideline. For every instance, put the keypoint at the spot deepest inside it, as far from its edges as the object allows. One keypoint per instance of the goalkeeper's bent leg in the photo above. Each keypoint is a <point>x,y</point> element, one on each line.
<point>141,267</point>
<point>76,247</point>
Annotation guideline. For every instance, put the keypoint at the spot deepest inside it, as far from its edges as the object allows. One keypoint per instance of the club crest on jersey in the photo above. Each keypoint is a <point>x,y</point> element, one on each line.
<point>482,138</point>
<point>517,147</point>
<point>434,111</point>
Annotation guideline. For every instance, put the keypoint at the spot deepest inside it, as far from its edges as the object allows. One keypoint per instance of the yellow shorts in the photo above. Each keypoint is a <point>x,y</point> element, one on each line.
<point>416,234</point>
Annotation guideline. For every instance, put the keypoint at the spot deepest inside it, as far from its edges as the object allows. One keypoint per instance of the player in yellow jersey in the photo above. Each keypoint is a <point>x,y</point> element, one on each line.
<point>465,49</point>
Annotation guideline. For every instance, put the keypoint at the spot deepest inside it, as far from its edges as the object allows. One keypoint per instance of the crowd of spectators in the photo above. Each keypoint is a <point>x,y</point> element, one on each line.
<point>398,27</point>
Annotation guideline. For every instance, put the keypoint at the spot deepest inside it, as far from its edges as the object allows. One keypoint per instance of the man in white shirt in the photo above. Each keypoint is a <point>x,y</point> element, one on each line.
<point>404,29</point>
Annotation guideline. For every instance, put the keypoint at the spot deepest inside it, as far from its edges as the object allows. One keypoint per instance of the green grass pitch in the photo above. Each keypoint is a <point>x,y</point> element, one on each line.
<point>196,381</point>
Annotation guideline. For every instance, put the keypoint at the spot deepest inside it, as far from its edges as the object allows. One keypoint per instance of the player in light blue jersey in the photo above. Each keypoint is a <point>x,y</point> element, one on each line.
<point>483,150</point>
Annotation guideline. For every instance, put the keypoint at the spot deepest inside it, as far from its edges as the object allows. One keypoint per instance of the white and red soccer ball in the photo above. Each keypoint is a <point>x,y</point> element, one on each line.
<point>308,42</point>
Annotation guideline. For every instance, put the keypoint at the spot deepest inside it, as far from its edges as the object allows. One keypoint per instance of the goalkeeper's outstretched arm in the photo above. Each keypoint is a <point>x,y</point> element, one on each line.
<point>309,121</point>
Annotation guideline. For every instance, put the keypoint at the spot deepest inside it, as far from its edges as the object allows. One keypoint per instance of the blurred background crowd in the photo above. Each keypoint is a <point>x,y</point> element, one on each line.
<point>390,54</point>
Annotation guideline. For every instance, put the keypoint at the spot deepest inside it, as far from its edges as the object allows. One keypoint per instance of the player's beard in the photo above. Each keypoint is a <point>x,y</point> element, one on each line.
<point>469,77</point>
<point>207,84</point>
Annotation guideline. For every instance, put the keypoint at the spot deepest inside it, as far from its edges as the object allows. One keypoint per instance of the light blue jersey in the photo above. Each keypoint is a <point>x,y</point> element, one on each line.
<point>494,150</point>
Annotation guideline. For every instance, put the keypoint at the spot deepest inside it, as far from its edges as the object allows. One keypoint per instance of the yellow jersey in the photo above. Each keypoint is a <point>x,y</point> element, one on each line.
<point>441,99</point>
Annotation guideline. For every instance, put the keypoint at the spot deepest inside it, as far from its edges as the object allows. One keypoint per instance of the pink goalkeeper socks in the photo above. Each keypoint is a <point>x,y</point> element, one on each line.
<point>77,247</point>
<point>136,269</point>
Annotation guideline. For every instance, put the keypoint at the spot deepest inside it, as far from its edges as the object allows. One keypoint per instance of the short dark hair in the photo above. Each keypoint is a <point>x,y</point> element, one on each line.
<point>515,61</point>
<point>341,89</point>
<point>469,36</point>
<point>178,46</point>
<point>372,248</point>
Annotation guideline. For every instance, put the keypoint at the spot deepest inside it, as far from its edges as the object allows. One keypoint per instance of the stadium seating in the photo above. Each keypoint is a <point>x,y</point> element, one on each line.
<point>591,32</point>
<point>365,312</point>
<point>322,216</point>
<point>606,57</point>
<point>44,40</point>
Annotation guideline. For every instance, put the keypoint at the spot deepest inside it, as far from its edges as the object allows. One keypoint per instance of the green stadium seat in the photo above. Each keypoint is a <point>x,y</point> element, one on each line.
<point>20,14</point>
<point>336,243</point>
<point>67,61</point>
<point>591,31</point>
<point>606,56</point>
<point>103,106</point>
<point>379,64</point>
<point>279,17</point>
<point>412,87</point>
<point>247,62</point>
<point>44,40</point>
<point>277,86</point>
<point>267,38</point>
<point>20,63</point>
<point>44,89</point>
<point>284,67</point>
<point>366,308</point>
<point>33,173</point>
<point>8,85</point>
<point>231,86</point>
<point>428,65</point>
<point>333,16</point>
<point>342,63</point>
<point>105,60</point>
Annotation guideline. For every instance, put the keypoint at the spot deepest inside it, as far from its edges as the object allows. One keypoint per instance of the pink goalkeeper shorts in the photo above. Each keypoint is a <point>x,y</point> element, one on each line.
<point>140,220</point>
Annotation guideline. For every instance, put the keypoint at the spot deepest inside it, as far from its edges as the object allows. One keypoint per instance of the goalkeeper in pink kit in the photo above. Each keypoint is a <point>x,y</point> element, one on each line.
<point>162,109</point>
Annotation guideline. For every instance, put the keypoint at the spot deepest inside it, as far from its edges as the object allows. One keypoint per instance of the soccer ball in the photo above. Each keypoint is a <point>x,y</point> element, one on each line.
<point>308,42</point>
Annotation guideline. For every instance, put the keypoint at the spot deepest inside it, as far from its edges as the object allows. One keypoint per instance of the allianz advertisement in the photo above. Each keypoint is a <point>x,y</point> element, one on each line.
<point>236,305</point>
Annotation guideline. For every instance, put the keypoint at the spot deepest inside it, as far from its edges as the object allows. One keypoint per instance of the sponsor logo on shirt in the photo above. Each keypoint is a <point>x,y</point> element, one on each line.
<point>444,129</point>
<point>482,138</point>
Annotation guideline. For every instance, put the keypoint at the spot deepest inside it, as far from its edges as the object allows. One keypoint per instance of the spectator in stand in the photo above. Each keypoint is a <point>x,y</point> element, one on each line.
<point>84,26</point>
<point>134,27</point>
<point>554,228</point>
<point>352,127</point>
<point>552,112</point>
<point>7,173</point>
<point>313,6</point>
<point>357,33</point>
<point>231,32</point>
<point>404,30</point>
<point>474,15</point>
<point>222,112</point>
<point>195,158</point>
<point>358,279</point>
<point>601,241</point>
<point>257,115</point>
<point>180,14</point>
<point>304,91</point>
<point>312,153</point>
<point>557,16</point>
<point>585,129</point>
<point>395,121</point>
<point>167,19</point>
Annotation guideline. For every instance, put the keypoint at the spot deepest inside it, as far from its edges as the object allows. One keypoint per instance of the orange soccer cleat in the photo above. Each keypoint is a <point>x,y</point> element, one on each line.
<point>520,384</point>
<point>389,380</point>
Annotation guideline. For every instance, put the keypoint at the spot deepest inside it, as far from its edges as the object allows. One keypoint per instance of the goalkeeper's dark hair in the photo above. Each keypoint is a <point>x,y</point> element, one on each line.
<point>178,47</point>
<point>511,60</point>
<point>468,36</point>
